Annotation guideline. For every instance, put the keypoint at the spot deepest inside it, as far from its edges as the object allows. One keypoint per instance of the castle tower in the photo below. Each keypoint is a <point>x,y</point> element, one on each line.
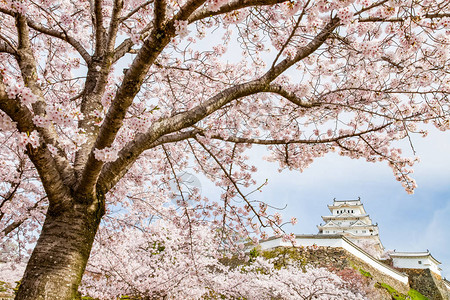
<point>349,218</point>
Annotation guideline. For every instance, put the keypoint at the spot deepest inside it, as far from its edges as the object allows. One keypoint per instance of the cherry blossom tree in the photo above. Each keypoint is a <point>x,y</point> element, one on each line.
<point>104,103</point>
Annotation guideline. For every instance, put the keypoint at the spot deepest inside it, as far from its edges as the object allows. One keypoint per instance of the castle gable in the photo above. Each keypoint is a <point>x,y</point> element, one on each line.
<point>331,224</point>
<point>360,223</point>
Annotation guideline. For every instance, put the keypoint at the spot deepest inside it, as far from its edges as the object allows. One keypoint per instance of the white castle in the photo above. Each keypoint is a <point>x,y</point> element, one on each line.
<point>349,218</point>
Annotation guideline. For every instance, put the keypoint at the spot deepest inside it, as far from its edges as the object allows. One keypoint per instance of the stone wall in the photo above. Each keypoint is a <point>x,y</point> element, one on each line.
<point>338,259</point>
<point>427,283</point>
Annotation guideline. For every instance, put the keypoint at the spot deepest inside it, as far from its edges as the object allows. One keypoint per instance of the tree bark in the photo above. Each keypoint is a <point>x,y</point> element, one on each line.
<point>59,259</point>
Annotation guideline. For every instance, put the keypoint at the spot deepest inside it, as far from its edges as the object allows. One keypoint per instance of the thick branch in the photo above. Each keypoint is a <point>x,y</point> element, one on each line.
<point>27,64</point>
<point>7,47</point>
<point>113,26</point>
<point>160,13</point>
<point>41,157</point>
<point>49,169</point>
<point>99,29</point>
<point>176,123</point>
<point>95,85</point>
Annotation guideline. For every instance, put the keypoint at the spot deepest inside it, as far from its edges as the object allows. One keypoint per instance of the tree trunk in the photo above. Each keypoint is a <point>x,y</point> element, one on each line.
<point>59,259</point>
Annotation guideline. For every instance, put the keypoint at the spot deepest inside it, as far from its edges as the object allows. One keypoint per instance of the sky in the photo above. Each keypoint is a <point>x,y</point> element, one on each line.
<point>406,222</point>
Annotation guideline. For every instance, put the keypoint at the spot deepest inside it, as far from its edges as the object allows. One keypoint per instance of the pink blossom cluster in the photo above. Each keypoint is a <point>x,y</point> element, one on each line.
<point>370,49</point>
<point>385,12</point>
<point>294,220</point>
<point>28,97</point>
<point>181,28</point>
<point>235,17</point>
<point>18,6</point>
<point>41,121</point>
<point>106,154</point>
<point>6,123</point>
<point>140,124</point>
<point>345,14</point>
<point>57,115</point>
<point>365,3</point>
<point>29,138</point>
<point>290,8</point>
<point>214,5</point>
<point>135,37</point>
<point>12,90</point>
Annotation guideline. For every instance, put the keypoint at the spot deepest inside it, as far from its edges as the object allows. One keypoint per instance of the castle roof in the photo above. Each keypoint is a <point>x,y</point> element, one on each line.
<point>343,204</point>
<point>422,254</point>
<point>446,283</point>
<point>358,223</point>
<point>345,215</point>
<point>350,200</point>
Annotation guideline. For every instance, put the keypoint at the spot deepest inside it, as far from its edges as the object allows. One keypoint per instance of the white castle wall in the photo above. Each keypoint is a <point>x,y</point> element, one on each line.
<point>413,263</point>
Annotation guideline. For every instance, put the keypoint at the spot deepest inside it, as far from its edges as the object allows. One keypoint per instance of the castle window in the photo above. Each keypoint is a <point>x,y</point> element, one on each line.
<point>420,262</point>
